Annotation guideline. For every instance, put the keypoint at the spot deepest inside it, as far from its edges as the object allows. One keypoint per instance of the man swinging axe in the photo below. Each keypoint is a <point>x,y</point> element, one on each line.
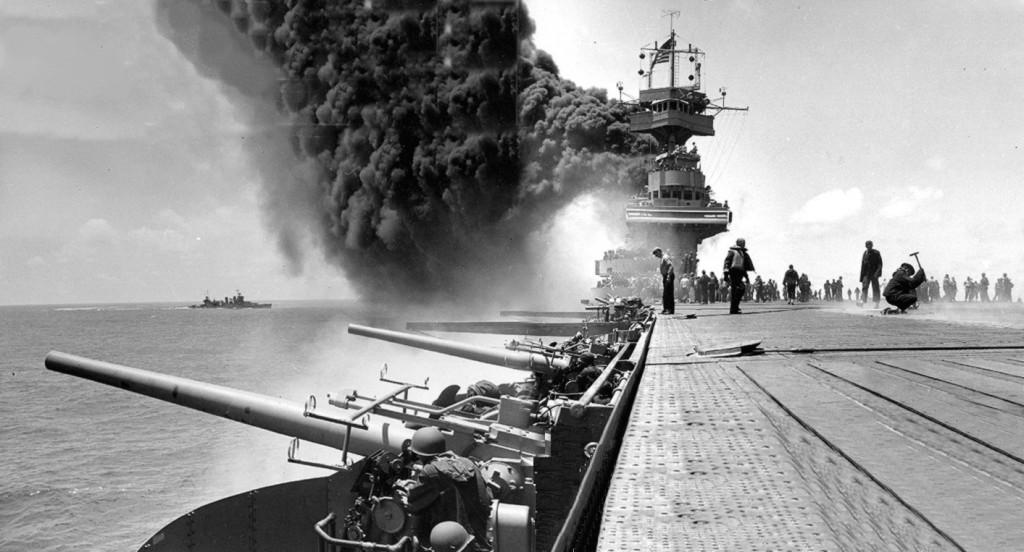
<point>899,292</point>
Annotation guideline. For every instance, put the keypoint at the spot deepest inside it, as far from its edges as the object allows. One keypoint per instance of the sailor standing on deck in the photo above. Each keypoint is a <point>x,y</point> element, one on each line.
<point>870,272</point>
<point>702,287</point>
<point>737,264</point>
<point>668,282</point>
<point>790,280</point>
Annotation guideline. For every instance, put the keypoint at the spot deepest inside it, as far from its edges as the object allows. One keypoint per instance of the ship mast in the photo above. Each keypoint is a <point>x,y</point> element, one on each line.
<point>676,209</point>
<point>672,14</point>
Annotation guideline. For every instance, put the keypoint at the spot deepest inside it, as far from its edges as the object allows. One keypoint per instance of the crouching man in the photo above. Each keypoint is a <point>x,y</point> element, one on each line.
<point>899,292</point>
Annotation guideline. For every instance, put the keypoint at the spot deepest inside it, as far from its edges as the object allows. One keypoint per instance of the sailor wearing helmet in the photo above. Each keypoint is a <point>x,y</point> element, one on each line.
<point>450,488</point>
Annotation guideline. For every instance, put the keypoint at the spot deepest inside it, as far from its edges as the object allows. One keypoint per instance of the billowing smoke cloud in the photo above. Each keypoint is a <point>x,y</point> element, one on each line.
<point>437,139</point>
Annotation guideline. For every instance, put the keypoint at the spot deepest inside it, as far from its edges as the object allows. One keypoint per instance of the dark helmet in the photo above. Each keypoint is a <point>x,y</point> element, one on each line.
<point>741,242</point>
<point>909,268</point>
<point>484,388</point>
<point>868,244</point>
<point>449,536</point>
<point>656,252</point>
<point>428,441</point>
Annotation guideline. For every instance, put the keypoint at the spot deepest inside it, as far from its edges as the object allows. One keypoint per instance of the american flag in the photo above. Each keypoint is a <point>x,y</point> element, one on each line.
<point>664,52</point>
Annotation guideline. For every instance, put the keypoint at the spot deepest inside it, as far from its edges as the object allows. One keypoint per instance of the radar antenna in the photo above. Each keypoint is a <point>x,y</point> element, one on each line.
<point>671,15</point>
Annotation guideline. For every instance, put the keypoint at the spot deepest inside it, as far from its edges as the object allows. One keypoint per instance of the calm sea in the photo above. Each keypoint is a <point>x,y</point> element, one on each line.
<point>84,466</point>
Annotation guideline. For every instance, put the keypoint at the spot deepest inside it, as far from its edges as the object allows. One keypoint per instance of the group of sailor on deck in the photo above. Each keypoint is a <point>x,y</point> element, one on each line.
<point>905,289</point>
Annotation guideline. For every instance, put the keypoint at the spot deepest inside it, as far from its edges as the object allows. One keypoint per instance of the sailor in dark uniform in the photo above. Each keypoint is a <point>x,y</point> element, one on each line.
<point>737,264</point>
<point>668,282</point>
<point>451,488</point>
<point>870,271</point>
<point>789,281</point>
<point>899,292</point>
<point>702,287</point>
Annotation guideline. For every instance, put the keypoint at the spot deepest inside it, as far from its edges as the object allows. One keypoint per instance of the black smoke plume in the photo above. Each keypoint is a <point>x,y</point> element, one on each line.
<point>440,139</point>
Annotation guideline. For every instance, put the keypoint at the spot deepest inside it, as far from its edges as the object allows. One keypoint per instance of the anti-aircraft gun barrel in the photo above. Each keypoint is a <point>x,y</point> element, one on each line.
<point>518,360</point>
<point>270,413</point>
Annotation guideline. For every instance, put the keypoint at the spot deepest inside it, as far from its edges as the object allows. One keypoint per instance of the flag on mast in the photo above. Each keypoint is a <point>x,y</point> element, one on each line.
<point>664,52</point>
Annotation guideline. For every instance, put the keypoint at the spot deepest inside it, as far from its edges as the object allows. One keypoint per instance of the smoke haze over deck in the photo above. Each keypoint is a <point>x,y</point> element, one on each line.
<point>898,125</point>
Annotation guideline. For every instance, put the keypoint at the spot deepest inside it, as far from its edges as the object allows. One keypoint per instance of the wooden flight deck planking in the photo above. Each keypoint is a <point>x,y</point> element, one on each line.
<point>846,433</point>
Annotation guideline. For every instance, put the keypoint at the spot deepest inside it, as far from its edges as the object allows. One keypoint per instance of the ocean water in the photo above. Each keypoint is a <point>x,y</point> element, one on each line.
<point>84,466</point>
<point>87,467</point>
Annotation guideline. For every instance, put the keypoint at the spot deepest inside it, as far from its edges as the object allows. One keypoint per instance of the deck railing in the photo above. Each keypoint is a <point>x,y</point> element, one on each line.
<point>583,524</point>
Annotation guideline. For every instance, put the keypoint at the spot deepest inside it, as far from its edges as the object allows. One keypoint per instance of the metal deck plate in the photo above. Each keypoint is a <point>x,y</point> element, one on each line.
<point>700,469</point>
<point>864,450</point>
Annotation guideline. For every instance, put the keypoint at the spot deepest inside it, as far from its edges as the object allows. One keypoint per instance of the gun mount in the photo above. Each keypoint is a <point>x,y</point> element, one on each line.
<point>479,435</point>
<point>270,413</point>
<point>561,371</point>
<point>531,451</point>
<point>518,360</point>
<point>378,511</point>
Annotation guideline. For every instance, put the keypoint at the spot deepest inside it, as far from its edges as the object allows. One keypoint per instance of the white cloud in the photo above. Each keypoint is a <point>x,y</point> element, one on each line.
<point>130,82</point>
<point>171,218</point>
<point>34,9</point>
<point>936,163</point>
<point>97,231</point>
<point>93,237</point>
<point>165,240</point>
<point>32,117</point>
<point>828,207</point>
<point>913,199</point>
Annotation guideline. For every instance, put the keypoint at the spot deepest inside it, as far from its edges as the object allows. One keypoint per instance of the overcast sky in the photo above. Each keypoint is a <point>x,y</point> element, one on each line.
<point>123,175</point>
<point>123,171</point>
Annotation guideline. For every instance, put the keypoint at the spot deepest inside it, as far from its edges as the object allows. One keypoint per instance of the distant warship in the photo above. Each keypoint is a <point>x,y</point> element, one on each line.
<point>236,302</point>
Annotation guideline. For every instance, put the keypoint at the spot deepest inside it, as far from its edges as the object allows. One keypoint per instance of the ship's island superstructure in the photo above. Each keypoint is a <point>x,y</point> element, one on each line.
<point>676,210</point>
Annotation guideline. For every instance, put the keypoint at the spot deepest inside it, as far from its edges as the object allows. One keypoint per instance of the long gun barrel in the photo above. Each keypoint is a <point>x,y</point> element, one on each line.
<point>270,413</point>
<point>519,360</point>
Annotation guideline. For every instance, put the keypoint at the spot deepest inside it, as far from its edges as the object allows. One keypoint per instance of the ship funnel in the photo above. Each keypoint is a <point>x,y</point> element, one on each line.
<point>518,360</point>
<point>270,413</point>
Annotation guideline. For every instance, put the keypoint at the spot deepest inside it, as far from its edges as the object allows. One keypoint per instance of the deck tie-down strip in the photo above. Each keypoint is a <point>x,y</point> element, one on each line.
<point>757,352</point>
<point>700,469</point>
<point>705,465</point>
